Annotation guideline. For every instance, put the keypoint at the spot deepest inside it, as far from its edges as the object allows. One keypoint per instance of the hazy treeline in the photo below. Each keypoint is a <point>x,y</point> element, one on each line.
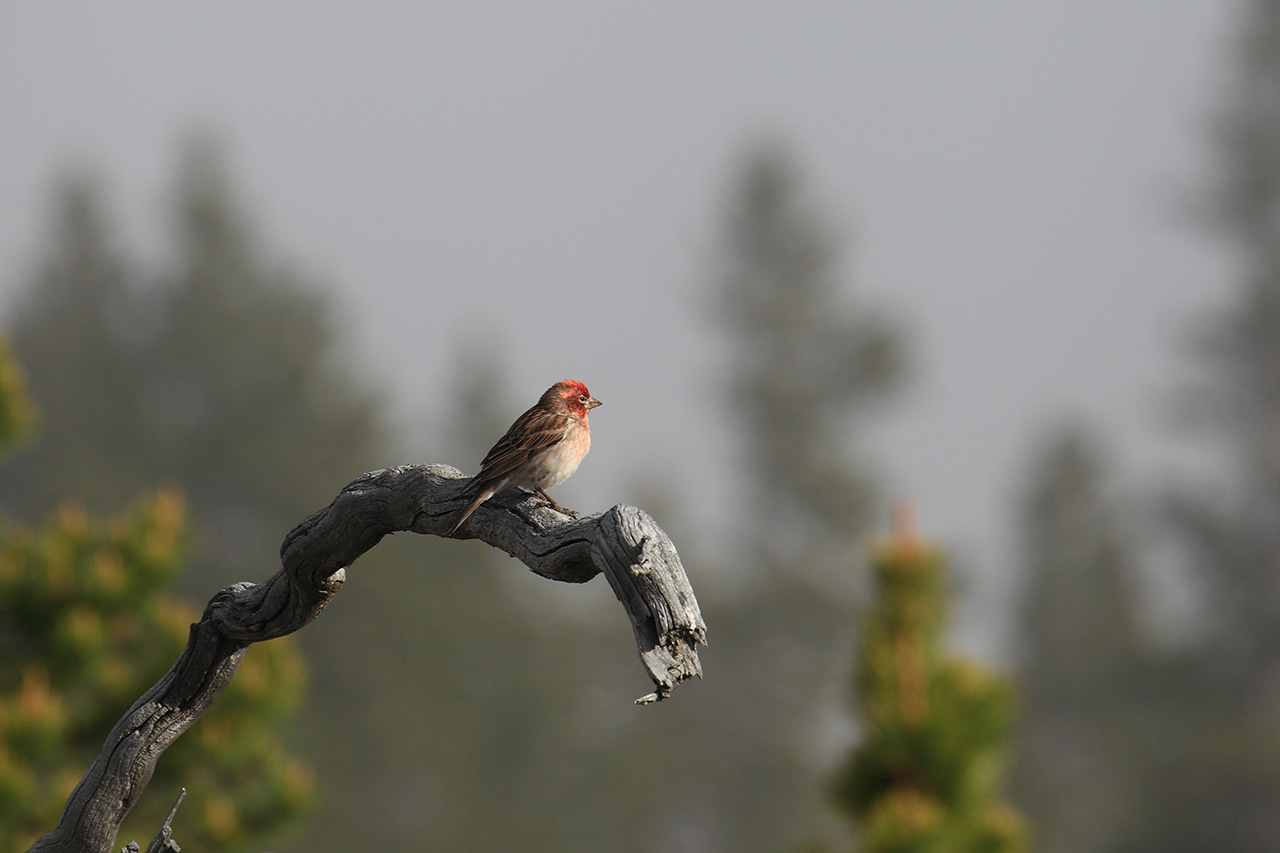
<point>431,719</point>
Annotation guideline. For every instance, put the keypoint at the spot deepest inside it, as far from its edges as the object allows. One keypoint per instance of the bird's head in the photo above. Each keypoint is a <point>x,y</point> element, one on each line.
<point>574,396</point>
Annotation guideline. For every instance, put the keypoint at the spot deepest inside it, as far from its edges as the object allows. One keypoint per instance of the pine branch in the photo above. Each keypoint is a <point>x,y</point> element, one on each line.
<point>624,544</point>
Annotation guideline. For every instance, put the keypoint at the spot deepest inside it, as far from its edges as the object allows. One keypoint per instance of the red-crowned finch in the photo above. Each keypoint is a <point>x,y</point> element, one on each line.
<point>542,448</point>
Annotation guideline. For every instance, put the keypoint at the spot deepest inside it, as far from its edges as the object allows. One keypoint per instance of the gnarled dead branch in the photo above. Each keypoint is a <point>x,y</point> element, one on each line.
<point>624,543</point>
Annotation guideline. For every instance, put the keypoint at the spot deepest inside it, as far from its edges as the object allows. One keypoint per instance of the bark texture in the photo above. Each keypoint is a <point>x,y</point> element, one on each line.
<point>624,543</point>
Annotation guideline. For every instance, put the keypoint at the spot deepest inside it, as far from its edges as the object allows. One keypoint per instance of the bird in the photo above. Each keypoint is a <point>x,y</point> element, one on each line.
<point>541,450</point>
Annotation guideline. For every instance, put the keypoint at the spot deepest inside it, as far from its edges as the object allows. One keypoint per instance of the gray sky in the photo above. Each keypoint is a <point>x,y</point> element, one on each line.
<point>545,177</point>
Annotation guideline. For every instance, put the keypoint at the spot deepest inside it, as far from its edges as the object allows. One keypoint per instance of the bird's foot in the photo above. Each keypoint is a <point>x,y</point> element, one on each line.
<point>551,503</point>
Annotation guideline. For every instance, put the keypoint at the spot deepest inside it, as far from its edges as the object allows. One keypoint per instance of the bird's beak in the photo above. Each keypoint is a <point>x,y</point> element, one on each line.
<point>592,402</point>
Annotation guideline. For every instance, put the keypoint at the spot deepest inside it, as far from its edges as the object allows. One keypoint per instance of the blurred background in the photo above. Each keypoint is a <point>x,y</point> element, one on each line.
<point>1019,266</point>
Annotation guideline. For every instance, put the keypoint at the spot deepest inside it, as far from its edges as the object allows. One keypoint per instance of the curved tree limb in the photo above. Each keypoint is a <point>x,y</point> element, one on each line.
<point>634,554</point>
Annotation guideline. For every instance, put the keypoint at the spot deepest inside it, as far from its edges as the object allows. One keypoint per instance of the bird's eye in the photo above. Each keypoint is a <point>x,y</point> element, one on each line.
<point>582,398</point>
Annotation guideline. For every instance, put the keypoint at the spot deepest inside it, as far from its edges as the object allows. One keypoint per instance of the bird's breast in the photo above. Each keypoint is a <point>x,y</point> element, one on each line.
<point>559,462</point>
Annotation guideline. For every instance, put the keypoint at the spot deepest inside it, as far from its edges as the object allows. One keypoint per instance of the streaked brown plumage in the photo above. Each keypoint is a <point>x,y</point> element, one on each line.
<point>541,449</point>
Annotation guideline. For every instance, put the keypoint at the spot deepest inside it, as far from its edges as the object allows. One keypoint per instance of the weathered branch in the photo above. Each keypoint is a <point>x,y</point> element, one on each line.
<point>624,543</point>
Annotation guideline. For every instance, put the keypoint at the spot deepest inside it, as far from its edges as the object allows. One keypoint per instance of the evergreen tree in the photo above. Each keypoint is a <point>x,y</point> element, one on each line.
<point>810,365</point>
<point>1234,530</point>
<point>1084,670</point>
<point>88,625</point>
<point>222,373</point>
<point>925,777</point>
<point>1228,791</point>
<point>17,414</point>
<point>83,328</point>
<point>1179,751</point>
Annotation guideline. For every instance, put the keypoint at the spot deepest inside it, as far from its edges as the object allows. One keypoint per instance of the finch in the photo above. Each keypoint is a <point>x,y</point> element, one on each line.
<point>541,450</point>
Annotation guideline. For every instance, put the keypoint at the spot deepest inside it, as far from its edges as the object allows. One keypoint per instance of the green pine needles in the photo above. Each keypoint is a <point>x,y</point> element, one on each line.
<point>87,624</point>
<point>925,778</point>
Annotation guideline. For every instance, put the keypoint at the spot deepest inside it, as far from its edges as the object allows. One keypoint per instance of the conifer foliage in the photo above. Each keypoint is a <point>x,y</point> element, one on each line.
<point>86,625</point>
<point>925,777</point>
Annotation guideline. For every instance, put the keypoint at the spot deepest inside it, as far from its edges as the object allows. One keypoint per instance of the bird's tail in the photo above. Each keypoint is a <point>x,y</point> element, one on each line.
<point>481,496</point>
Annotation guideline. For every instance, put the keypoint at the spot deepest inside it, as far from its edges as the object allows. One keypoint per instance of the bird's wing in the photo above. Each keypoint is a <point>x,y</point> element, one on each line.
<point>533,433</point>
